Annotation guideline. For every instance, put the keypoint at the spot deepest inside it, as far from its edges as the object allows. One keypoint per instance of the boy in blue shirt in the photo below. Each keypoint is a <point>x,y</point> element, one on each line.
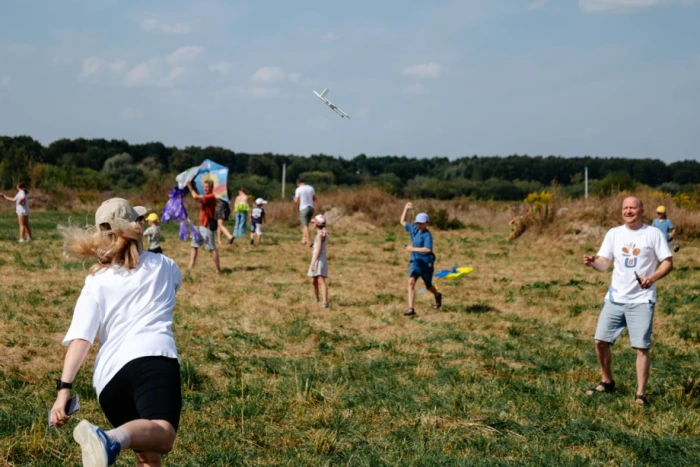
<point>664,224</point>
<point>422,258</point>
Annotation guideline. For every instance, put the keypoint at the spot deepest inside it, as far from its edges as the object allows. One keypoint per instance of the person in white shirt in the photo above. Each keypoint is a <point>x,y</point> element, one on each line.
<point>635,249</point>
<point>305,197</point>
<point>22,209</point>
<point>128,301</point>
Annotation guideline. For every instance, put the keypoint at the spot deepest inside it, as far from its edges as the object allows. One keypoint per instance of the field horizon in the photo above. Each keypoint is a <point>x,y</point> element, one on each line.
<point>496,377</point>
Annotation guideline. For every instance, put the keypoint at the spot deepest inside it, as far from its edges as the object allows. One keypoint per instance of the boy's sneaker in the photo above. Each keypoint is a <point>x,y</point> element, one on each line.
<point>21,240</point>
<point>326,305</point>
<point>252,242</point>
<point>98,449</point>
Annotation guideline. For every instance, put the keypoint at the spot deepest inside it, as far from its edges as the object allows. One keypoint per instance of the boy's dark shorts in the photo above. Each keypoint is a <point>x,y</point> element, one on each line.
<point>424,272</point>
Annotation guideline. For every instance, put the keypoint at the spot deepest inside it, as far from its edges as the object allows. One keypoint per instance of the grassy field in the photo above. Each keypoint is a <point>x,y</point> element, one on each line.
<point>494,378</point>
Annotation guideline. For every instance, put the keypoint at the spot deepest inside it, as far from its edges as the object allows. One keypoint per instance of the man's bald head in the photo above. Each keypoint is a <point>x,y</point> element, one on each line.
<point>633,212</point>
<point>633,199</point>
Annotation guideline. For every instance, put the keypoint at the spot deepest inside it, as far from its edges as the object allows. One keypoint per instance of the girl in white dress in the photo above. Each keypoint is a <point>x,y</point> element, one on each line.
<point>318,269</point>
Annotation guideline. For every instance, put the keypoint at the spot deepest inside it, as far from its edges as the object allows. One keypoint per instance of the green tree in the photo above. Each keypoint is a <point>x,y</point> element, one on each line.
<point>14,166</point>
<point>122,171</point>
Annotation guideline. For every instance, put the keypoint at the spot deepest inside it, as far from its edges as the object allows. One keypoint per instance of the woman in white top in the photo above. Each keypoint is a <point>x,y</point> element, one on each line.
<point>22,208</point>
<point>128,301</point>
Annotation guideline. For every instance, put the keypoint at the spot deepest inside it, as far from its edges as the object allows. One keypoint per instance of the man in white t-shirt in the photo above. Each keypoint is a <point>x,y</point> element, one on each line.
<point>635,249</point>
<point>305,197</point>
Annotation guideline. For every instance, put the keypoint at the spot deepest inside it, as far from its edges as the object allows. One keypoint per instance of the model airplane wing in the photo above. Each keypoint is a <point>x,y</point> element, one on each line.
<point>333,107</point>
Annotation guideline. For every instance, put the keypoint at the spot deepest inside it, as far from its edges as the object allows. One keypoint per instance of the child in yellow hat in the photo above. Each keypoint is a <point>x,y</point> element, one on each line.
<point>153,233</point>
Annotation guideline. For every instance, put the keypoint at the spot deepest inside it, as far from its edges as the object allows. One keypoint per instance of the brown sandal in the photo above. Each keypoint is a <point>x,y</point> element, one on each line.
<point>606,387</point>
<point>438,301</point>
<point>410,312</point>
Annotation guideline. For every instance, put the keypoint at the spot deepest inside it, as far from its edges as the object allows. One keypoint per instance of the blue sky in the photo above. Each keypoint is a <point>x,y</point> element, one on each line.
<point>609,78</point>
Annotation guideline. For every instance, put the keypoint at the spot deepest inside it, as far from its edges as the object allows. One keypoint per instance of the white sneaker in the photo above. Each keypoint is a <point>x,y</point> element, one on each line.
<point>21,240</point>
<point>98,449</point>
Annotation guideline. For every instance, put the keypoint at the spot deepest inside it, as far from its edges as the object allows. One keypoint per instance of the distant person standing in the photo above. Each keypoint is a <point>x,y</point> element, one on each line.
<point>305,197</point>
<point>422,262</point>
<point>207,224</point>
<point>241,208</point>
<point>22,209</point>
<point>152,233</point>
<point>664,224</point>
<point>318,269</point>
<point>223,212</point>
<point>257,219</point>
<point>635,249</point>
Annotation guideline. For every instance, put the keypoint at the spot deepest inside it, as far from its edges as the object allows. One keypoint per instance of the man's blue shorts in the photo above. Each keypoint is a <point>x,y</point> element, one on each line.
<point>638,318</point>
<point>424,272</point>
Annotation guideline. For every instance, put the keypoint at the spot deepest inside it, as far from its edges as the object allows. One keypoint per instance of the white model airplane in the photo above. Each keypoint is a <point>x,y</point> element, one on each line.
<point>322,96</point>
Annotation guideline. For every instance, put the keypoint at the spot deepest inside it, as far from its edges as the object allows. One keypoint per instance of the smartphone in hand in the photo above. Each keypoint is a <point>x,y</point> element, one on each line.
<point>72,406</point>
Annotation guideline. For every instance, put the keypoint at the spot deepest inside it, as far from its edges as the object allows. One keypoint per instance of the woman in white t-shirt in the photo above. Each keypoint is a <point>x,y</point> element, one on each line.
<point>128,301</point>
<point>22,208</point>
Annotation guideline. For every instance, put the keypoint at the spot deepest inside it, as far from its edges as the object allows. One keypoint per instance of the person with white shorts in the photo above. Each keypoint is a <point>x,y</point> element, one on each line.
<point>635,249</point>
<point>21,201</point>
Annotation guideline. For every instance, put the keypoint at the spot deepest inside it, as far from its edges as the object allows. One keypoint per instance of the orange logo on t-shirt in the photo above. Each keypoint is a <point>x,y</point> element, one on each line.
<point>630,253</point>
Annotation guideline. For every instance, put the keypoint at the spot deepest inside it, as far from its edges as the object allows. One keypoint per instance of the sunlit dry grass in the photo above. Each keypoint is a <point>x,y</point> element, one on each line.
<point>496,376</point>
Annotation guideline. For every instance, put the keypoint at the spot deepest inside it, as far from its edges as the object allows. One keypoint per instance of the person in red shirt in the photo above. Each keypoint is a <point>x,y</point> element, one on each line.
<point>207,223</point>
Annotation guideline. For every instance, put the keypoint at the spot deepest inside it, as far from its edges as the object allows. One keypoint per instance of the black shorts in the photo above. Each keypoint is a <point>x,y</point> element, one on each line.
<point>157,250</point>
<point>223,210</point>
<point>145,388</point>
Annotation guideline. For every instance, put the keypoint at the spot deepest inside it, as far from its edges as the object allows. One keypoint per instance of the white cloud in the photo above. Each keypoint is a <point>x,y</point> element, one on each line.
<point>184,55</point>
<point>331,37</point>
<point>415,89</point>
<point>175,73</point>
<point>143,74</point>
<point>129,113</point>
<point>295,77</point>
<point>363,112</point>
<point>92,66</point>
<point>153,73</point>
<point>153,25</point>
<point>268,74</point>
<point>117,66</point>
<point>222,68</point>
<point>319,123</point>
<point>538,4</point>
<point>425,70</point>
<point>602,6</point>
<point>5,81</point>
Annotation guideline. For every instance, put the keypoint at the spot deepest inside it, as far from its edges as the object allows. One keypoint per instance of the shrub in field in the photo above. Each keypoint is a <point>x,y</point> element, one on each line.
<point>441,220</point>
<point>123,173</point>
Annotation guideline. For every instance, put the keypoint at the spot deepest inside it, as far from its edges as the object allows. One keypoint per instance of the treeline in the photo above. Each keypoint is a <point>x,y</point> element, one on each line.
<point>100,164</point>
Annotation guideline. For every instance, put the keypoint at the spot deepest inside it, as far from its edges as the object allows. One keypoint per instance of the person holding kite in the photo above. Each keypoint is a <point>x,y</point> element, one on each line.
<point>422,262</point>
<point>207,223</point>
